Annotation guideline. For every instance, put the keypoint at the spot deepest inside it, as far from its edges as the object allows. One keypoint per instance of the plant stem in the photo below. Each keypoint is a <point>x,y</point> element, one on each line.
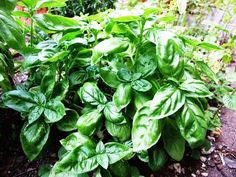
<point>31,27</point>
<point>143,21</point>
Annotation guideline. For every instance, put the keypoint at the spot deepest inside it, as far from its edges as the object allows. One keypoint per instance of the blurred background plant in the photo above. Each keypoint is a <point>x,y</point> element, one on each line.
<point>76,7</point>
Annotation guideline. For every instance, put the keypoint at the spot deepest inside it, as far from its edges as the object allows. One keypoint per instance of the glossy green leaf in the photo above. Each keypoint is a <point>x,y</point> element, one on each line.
<point>84,159</point>
<point>141,85</point>
<point>108,46</point>
<point>192,124</point>
<point>166,102</point>
<point>91,94</point>
<point>117,151</point>
<point>207,71</point>
<point>169,50</point>
<point>120,169</point>
<point>146,62</point>
<point>11,32</point>
<point>157,159</point>
<point>109,77</point>
<point>80,160</point>
<point>33,138</point>
<point>89,122</point>
<point>75,140</point>
<point>8,5</point>
<point>50,3</point>
<point>48,82</point>
<point>124,75</point>
<point>229,101</point>
<point>174,143</point>
<point>55,22</point>
<point>61,88</point>
<point>195,88</point>
<point>113,114</point>
<point>78,77</point>
<point>122,96</point>
<point>120,131</point>
<point>35,113</point>
<point>54,111</point>
<point>19,100</point>
<point>68,122</point>
<point>145,131</point>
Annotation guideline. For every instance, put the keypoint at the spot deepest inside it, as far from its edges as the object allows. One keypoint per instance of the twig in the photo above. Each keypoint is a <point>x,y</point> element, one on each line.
<point>26,172</point>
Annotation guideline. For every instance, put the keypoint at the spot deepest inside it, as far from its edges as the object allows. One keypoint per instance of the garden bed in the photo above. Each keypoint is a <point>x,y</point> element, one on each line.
<point>13,162</point>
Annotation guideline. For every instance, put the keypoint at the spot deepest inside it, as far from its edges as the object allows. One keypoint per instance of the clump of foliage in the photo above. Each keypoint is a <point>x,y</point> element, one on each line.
<point>122,85</point>
<point>76,7</point>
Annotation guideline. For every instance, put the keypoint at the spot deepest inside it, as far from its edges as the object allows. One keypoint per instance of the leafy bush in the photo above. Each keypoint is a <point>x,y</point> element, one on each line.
<point>121,86</point>
<point>76,7</point>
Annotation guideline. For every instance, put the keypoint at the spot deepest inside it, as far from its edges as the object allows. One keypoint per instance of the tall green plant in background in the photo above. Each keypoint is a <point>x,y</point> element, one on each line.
<point>76,7</point>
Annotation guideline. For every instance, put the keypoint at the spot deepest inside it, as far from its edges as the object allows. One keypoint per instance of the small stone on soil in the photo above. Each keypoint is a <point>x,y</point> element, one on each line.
<point>203,159</point>
<point>204,174</point>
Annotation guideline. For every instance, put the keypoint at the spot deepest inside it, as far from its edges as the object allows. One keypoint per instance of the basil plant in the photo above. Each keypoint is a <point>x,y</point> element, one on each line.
<point>120,86</point>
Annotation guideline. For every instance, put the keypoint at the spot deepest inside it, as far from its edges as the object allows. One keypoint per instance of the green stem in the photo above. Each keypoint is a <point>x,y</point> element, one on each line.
<point>31,27</point>
<point>143,21</point>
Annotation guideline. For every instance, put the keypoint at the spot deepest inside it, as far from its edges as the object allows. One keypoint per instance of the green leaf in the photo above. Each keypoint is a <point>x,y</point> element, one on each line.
<point>192,124</point>
<point>60,89</point>
<point>120,169</point>
<point>112,114</point>
<point>8,5</point>
<point>28,3</point>
<point>229,101</point>
<point>1,77</point>
<point>19,100</point>
<point>55,23</point>
<point>68,122</point>
<point>80,160</point>
<point>166,102</point>
<point>11,32</point>
<point>174,143</point>
<point>117,151</point>
<point>146,62</point>
<point>145,131</point>
<point>122,96</point>
<point>91,94</point>
<point>50,4</point>
<point>84,159</point>
<point>33,138</point>
<point>120,131</point>
<point>44,170</point>
<point>48,82</point>
<point>109,77</point>
<point>78,77</point>
<point>208,46</point>
<point>169,50</point>
<point>89,122</point>
<point>157,159</point>
<point>124,75</point>
<point>18,13</point>
<point>141,85</point>
<point>207,71</point>
<point>195,88</point>
<point>108,46</point>
<point>196,43</point>
<point>54,111</point>
<point>35,113</point>
<point>75,140</point>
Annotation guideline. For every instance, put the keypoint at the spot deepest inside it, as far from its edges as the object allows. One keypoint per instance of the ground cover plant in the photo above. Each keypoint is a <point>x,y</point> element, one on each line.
<point>122,85</point>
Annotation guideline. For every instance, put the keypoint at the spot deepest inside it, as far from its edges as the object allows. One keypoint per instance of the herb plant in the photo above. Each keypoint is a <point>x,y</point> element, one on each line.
<point>121,86</point>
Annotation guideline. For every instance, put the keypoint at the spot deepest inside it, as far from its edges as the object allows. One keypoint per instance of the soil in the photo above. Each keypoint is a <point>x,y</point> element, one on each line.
<point>219,161</point>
